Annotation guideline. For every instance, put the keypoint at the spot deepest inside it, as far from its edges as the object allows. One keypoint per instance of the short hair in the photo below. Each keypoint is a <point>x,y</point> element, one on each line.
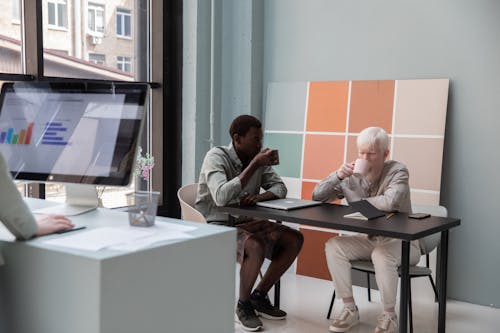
<point>373,137</point>
<point>242,124</point>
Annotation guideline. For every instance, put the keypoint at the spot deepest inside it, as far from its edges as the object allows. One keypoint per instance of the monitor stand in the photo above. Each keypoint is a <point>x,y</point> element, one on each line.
<point>79,199</point>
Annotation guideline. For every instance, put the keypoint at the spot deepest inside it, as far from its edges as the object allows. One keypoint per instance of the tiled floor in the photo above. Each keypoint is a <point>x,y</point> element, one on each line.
<point>306,300</point>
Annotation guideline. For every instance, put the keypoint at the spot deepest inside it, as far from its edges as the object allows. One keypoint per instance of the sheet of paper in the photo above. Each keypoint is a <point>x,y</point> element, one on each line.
<point>147,241</point>
<point>100,238</point>
<point>167,226</point>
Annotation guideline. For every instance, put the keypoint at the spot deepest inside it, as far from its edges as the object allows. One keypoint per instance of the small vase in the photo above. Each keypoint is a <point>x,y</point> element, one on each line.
<point>142,207</point>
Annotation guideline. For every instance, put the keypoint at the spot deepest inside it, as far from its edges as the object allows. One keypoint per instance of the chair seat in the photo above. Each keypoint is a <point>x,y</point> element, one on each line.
<point>367,267</point>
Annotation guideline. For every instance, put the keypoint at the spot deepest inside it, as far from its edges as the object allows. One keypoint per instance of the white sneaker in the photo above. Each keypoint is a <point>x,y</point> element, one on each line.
<point>386,324</point>
<point>345,320</point>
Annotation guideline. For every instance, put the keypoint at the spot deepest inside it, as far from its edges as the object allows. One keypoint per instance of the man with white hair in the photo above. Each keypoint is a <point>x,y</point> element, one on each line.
<point>385,186</point>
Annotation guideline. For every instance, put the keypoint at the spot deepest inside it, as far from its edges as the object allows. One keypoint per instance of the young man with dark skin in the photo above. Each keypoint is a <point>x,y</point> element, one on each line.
<point>235,174</point>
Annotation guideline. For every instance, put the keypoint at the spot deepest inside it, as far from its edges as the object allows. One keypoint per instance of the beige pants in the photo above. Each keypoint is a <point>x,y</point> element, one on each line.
<point>385,254</point>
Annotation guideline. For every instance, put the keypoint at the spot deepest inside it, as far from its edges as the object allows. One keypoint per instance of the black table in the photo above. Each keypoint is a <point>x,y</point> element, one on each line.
<point>399,226</point>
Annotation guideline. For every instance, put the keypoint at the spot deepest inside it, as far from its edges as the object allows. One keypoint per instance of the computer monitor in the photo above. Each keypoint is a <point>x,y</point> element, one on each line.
<point>75,133</point>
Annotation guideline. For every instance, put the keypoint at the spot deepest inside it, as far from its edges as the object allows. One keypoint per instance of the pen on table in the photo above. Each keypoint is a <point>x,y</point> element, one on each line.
<point>389,216</point>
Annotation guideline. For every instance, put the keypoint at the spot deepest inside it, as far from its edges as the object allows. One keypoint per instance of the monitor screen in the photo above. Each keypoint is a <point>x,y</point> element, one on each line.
<point>80,133</point>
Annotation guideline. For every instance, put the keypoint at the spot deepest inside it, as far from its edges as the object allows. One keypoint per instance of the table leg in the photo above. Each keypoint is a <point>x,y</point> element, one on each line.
<point>277,288</point>
<point>405,286</point>
<point>443,274</point>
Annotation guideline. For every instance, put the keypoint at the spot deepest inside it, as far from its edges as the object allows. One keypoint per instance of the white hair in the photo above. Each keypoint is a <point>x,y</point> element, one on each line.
<point>373,137</point>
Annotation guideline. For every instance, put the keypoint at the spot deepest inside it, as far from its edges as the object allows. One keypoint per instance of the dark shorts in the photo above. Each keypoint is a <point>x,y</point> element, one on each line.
<point>267,232</point>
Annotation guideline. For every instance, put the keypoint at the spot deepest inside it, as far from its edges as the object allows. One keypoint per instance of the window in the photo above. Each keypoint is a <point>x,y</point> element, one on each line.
<point>16,11</point>
<point>123,23</point>
<point>95,17</point>
<point>68,55</point>
<point>58,13</point>
<point>124,64</point>
<point>96,58</point>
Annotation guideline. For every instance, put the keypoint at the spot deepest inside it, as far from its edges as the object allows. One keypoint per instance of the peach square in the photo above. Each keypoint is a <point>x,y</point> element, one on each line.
<point>352,148</point>
<point>327,106</point>
<point>323,154</point>
<point>421,106</point>
<point>371,105</point>
<point>424,158</point>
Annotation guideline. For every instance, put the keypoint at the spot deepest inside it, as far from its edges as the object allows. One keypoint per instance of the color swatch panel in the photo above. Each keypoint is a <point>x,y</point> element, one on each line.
<point>413,112</point>
<point>327,106</point>
<point>372,103</point>
<point>290,152</point>
<point>420,105</point>
<point>287,105</point>
<point>329,149</point>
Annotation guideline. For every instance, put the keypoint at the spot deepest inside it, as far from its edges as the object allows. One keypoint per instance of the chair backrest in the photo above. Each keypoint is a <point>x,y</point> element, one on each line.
<point>187,197</point>
<point>429,243</point>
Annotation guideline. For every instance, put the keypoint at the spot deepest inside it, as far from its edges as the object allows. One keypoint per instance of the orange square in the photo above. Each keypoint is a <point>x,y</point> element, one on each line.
<point>307,190</point>
<point>323,154</point>
<point>352,148</point>
<point>327,106</point>
<point>311,260</point>
<point>371,105</point>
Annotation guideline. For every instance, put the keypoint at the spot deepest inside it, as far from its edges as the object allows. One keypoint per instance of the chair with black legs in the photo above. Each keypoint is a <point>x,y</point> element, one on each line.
<point>427,245</point>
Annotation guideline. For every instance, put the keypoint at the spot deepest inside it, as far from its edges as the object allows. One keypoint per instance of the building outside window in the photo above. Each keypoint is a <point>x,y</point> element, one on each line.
<point>96,58</point>
<point>123,23</point>
<point>95,17</point>
<point>124,63</point>
<point>58,13</point>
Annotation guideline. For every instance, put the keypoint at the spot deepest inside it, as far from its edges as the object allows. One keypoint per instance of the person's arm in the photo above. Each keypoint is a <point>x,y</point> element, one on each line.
<point>395,194</point>
<point>329,188</point>
<point>16,216</point>
<point>222,190</point>
<point>272,183</point>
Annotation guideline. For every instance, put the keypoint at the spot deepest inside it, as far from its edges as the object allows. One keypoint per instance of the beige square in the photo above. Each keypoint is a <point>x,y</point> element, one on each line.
<point>423,157</point>
<point>424,198</point>
<point>421,106</point>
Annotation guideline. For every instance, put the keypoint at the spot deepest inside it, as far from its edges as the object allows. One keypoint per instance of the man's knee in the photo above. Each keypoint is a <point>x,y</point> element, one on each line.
<point>382,258</point>
<point>255,247</point>
<point>292,240</point>
<point>332,246</point>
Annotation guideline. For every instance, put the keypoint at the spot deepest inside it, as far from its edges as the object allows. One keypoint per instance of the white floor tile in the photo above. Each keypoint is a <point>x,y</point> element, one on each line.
<point>306,301</point>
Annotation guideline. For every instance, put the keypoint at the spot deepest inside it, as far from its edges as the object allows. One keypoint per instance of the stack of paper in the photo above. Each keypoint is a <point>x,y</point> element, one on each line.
<point>123,238</point>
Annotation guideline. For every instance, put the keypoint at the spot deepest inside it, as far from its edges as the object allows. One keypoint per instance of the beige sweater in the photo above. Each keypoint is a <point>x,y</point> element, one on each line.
<point>14,213</point>
<point>390,193</point>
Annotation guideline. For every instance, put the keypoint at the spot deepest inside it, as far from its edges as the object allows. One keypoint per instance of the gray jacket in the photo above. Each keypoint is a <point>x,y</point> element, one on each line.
<point>219,184</point>
<point>390,193</point>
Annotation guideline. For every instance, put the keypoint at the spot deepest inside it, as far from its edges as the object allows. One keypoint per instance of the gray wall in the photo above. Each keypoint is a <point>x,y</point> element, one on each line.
<point>305,40</point>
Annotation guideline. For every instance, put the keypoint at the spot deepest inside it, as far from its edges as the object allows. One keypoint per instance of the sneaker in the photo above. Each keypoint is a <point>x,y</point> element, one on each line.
<point>386,324</point>
<point>345,320</point>
<point>246,316</point>
<point>263,307</point>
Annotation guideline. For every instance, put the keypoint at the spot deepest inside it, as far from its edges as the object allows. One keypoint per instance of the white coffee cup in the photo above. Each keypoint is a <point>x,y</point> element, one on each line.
<point>361,167</point>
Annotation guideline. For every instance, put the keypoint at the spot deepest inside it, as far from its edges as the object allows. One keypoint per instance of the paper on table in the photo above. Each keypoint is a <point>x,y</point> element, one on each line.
<point>168,226</point>
<point>147,241</point>
<point>356,215</point>
<point>99,238</point>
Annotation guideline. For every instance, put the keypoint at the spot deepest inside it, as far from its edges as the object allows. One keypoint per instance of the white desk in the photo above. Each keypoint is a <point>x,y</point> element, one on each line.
<point>177,286</point>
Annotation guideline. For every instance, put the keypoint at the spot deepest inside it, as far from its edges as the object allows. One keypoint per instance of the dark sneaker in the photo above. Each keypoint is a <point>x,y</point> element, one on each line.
<point>263,307</point>
<point>247,317</point>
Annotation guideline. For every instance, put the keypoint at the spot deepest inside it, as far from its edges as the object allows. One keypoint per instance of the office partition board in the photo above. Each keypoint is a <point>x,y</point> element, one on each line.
<point>315,124</point>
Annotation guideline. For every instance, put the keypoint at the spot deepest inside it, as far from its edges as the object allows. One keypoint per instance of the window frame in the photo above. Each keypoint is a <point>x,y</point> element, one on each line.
<point>56,25</point>
<point>121,15</point>
<point>97,62</point>
<point>123,62</point>
<point>96,8</point>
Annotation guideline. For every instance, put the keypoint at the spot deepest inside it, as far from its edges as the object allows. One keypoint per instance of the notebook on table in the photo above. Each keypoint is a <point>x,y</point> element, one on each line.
<point>364,211</point>
<point>288,203</point>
